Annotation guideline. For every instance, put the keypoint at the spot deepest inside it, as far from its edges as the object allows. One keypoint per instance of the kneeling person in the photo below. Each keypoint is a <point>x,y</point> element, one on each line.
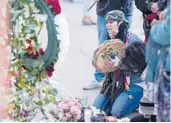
<point>119,97</point>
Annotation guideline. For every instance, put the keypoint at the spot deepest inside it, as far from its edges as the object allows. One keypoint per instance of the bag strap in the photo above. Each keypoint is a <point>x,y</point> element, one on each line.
<point>128,35</point>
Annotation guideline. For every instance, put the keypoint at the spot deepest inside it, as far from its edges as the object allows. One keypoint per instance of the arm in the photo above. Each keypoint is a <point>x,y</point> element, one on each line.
<point>140,5</point>
<point>161,32</point>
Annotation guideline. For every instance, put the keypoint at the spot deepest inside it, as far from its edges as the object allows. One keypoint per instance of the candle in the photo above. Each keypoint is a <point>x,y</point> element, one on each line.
<point>87,115</point>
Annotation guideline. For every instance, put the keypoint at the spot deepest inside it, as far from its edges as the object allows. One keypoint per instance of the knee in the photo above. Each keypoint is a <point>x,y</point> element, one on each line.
<point>100,101</point>
<point>116,113</point>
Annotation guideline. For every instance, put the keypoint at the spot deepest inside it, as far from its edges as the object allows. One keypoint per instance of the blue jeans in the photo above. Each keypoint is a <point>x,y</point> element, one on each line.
<point>129,18</point>
<point>123,105</point>
<point>102,36</point>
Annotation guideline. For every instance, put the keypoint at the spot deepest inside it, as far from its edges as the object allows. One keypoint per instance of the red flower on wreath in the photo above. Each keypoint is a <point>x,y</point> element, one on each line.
<point>50,70</point>
<point>56,8</point>
<point>30,48</point>
<point>37,53</point>
<point>28,41</point>
<point>41,51</point>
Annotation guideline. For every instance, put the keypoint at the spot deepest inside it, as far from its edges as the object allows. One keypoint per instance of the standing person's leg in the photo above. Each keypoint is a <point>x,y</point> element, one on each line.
<point>101,28</point>
<point>127,101</point>
<point>128,8</point>
<point>102,36</point>
<point>87,20</point>
<point>128,18</point>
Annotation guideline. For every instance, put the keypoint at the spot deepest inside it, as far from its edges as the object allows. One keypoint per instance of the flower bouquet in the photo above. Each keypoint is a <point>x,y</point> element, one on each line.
<point>68,109</point>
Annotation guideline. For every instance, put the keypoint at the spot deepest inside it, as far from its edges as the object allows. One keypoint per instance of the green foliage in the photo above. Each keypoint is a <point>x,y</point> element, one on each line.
<point>32,92</point>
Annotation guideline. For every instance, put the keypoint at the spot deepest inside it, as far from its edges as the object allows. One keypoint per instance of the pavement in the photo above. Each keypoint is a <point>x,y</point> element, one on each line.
<point>77,70</point>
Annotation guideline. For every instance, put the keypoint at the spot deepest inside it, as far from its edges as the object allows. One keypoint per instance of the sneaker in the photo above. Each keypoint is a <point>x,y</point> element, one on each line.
<point>93,85</point>
<point>92,22</point>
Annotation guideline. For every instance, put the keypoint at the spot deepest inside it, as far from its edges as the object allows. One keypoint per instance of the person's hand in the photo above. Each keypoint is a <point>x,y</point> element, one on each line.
<point>109,61</point>
<point>154,7</point>
<point>154,22</point>
<point>162,15</point>
<point>115,41</point>
<point>112,62</point>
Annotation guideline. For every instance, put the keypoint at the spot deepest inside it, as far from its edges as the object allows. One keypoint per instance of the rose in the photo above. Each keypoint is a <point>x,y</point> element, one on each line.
<point>29,48</point>
<point>28,41</point>
<point>56,8</point>
<point>41,51</point>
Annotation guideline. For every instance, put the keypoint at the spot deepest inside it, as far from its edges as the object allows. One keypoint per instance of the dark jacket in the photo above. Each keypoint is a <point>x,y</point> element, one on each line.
<point>145,5</point>
<point>162,4</point>
<point>104,6</point>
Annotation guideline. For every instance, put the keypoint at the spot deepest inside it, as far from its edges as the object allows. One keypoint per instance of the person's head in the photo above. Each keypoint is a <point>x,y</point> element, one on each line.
<point>134,58</point>
<point>113,21</point>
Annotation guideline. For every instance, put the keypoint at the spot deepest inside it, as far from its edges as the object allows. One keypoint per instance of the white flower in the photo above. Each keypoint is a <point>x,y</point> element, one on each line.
<point>61,115</point>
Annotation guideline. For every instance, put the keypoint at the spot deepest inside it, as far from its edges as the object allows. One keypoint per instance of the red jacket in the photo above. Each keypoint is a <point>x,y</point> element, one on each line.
<point>56,7</point>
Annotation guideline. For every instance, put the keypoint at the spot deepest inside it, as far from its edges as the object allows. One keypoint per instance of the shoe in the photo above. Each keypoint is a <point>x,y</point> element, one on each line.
<point>87,21</point>
<point>93,85</point>
<point>92,22</point>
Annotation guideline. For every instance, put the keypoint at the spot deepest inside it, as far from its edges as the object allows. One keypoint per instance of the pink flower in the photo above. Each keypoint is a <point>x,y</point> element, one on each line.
<point>65,106</point>
<point>64,118</point>
<point>78,111</point>
<point>71,108</point>
<point>60,106</point>
<point>68,115</point>
<point>77,116</point>
<point>66,100</point>
<point>71,104</point>
<point>74,109</point>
